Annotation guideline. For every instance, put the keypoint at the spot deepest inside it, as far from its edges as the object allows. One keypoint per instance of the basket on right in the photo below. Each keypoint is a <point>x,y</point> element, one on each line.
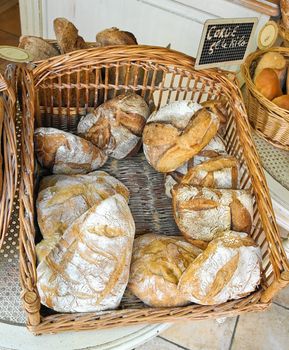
<point>269,121</point>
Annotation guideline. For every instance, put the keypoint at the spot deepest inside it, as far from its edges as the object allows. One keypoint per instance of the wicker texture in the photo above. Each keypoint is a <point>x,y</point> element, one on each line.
<point>50,83</point>
<point>9,154</point>
<point>270,121</point>
<point>284,34</point>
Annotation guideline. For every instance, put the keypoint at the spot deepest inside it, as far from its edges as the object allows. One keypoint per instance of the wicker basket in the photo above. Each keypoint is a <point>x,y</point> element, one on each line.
<point>149,205</point>
<point>284,34</point>
<point>9,155</point>
<point>270,121</point>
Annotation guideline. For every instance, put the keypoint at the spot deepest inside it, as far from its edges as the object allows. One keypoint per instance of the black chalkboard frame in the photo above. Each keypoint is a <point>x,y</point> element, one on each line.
<point>226,22</point>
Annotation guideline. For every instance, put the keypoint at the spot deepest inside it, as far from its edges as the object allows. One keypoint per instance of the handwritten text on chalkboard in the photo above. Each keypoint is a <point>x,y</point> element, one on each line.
<point>225,41</point>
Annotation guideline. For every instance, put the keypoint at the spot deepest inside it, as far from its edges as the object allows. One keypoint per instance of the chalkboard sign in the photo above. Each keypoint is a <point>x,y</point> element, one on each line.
<point>225,41</point>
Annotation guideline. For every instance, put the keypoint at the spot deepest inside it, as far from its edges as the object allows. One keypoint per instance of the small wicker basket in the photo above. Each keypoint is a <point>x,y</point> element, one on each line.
<point>51,83</point>
<point>9,157</point>
<point>269,121</point>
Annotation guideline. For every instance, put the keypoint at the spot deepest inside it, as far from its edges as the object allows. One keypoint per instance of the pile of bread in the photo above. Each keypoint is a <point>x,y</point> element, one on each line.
<point>271,78</point>
<point>88,255</point>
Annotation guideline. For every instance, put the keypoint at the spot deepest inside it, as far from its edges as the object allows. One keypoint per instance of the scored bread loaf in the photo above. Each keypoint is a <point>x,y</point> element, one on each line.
<point>117,125</point>
<point>67,36</point>
<point>65,153</point>
<point>37,48</point>
<point>201,212</point>
<point>215,148</point>
<point>176,133</point>
<point>63,198</point>
<point>114,36</point>
<point>229,268</point>
<point>157,265</point>
<point>88,269</point>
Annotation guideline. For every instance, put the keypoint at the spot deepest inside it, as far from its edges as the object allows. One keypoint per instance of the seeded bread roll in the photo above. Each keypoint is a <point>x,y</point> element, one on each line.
<point>63,198</point>
<point>37,48</point>
<point>176,133</point>
<point>116,126</point>
<point>67,36</point>
<point>157,265</point>
<point>215,148</point>
<point>201,212</point>
<point>229,268</point>
<point>88,269</point>
<point>65,153</point>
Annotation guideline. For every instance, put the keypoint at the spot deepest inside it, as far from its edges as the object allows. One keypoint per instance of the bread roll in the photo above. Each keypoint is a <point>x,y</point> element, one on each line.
<point>215,148</point>
<point>37,48</point>
<point>176,133</point>
<point>116,126</point>
<point>88,269</point>
<point>114,36</point>
<point>228,269</point>
<point>273,60</point>
<point>282,101</point>
<point>267,83</point>
<point>157,265</point>
<point>201,213</point>
<point>63,198</point>
<point>67,36</point>
<point>65,153</point>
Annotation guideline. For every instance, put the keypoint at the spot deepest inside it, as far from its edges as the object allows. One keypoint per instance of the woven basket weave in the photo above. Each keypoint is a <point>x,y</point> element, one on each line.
<point>270,121</point>
<point>50,82</point>
<point>9,154</point>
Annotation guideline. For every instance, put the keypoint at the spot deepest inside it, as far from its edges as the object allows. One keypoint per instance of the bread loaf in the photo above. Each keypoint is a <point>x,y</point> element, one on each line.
<point>176,133</point>
<point>201,213</point>
<point>229,268</point>
<point>116,126</point>
<point>215,148</point>
<point>63,198</point>
<point>114,36</point>
<point>88,269</point>
<point>65,153</point>
<point>37,48</point>
<point>157,265</point>
<point>268,83</point>
<point>282,101</point>
<point>275,61</point>
<point>67,36</point>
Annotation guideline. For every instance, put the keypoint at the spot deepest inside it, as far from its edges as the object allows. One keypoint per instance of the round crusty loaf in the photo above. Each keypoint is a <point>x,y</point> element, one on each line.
<point>201,212</point>
<point>65,153</point>
<point>157,265</point>
<point>114,36</point>
<point>88,269</point>
<point>63,198</point>
<point>37,48</point>
<point>215,148</point>
<point>117,125</point>
<point>229,268</point>
<point>176,133</point>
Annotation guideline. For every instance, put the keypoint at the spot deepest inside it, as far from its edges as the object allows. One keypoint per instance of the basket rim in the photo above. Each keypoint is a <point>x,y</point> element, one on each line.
<point>186,63</point>
<point>280,113</point>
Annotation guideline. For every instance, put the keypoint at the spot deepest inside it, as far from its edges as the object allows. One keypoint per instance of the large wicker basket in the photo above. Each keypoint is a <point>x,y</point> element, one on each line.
<point>9,157</point>
<point>269,121</point>
<point>151,209</point>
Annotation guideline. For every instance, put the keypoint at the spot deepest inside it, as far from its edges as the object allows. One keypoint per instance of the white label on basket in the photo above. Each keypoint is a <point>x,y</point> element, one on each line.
<point>225,41</point>
<point>14,54</point>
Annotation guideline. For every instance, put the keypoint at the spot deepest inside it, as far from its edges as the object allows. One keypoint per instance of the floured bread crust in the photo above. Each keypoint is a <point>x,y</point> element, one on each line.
<point>88,269</point>
<point>117,125</point>
<point>157,265</point>
<point>201,213</point>
<point>228,269</point>
<point>65,153</point>
<point>215,148</point>
<point>176,133</point>
<point>63,198</point>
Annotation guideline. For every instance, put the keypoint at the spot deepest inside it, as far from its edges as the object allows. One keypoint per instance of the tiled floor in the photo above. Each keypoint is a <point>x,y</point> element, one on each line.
<point>257,331</point>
